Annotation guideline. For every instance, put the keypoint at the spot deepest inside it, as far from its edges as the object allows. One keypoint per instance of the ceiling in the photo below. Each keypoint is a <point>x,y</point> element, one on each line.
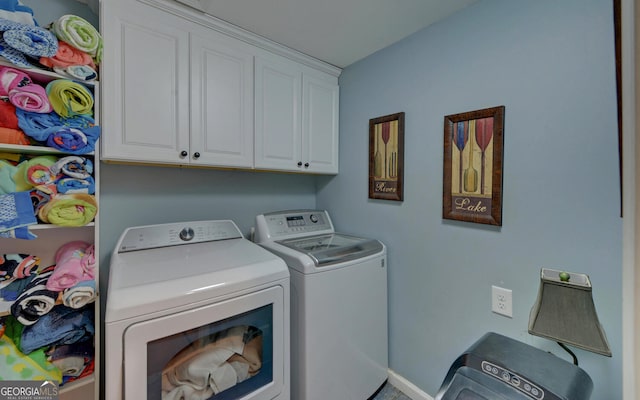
<point>339,32</point>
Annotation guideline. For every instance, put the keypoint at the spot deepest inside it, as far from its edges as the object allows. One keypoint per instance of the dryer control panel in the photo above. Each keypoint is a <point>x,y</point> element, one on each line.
<point>175,234</point>
<point>295,223</point>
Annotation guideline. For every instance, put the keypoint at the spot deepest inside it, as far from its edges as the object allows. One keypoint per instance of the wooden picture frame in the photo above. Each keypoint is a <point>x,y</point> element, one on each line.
<point>386,157</point>
<point>472,182</point>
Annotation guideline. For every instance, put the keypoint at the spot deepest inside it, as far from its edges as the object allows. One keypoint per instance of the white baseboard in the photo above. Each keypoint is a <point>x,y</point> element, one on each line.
<point>407,387</point>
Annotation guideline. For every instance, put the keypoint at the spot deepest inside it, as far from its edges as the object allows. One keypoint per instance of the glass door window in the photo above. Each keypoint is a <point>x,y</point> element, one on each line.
<point>237,351</point>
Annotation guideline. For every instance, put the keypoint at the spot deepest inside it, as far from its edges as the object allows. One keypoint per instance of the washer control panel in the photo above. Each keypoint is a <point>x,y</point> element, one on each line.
<point>175,234</point>
<point>513,380</point>
<point>295,223</point>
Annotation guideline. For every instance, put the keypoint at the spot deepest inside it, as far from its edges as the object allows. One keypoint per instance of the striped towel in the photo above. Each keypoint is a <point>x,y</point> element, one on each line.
<point>36,300</point>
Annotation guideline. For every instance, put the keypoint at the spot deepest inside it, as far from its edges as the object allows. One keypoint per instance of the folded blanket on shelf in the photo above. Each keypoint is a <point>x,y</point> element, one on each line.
<point>75,263</point>
<point>74,140</point>
<point>35,301</point>
<point>62,325</point>
<point>76,209</point>
<point>80,294</point>
<point>18,266</point>
<point>11,78</point>
<point>73,167</point>
<point>32,98</point>
<point>16,211</point>
<point>80,34</point>
<point>69,98</point>
<point>67,56</point>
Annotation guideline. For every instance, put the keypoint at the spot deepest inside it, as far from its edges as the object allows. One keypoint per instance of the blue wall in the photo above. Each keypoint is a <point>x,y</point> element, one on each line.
<point>135,195</point>
<point>551,64</point>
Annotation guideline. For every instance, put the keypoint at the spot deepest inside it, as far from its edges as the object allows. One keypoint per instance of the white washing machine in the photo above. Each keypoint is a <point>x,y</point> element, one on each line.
<point>338,305</point>
<point>196,311</point>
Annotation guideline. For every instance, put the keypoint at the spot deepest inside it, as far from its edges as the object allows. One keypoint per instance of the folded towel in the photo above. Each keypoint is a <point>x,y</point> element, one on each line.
<point>36,125</point>
<point>7,171</point>
<point>11,78</point>
<point>33,41</point>
<point>14,56</point>
<point>74,264</point>
<point>31,98</point>
<point>67,56</point>
<point>80,294</point>
<point>62,325</point>
<point>16,211</point>
<point>76,209</point>
<point>78,72</point>
<point>13,136</point>
<point>8,117</point>
<point>14,10</point>
<point>35,301</point>
<point>74,167</point>
<point>80,34</point>
<point>30,172</point>
<point>15,288</point>
<point>74,140</point>
<point>17,266</point>
<point>76,185</point>
<point>69,98</point>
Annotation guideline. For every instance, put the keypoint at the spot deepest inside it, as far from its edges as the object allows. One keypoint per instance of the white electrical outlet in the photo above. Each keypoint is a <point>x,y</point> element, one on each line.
<point>501,301</point>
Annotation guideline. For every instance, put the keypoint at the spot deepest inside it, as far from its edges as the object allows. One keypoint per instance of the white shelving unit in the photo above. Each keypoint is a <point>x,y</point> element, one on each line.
<point>51,237</point>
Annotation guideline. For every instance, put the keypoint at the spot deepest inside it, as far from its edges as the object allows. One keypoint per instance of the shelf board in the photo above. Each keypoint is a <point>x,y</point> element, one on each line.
<point>16,148</point>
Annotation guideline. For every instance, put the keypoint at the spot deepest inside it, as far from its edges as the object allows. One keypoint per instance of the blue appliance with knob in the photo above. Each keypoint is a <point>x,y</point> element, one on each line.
<point>500,368</point>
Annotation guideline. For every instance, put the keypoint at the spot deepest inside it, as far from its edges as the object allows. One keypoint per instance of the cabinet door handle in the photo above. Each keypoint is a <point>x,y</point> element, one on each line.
<point>183,153</point>
<point>306,165</point>
<point>299,163</point>
<point>196,155</point>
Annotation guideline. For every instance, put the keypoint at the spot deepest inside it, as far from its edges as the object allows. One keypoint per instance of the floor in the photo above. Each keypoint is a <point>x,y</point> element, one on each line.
<point>390,392</point>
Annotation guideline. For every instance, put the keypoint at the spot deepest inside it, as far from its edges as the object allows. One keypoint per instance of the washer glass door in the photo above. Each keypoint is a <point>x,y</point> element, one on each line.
<point>226,350</point>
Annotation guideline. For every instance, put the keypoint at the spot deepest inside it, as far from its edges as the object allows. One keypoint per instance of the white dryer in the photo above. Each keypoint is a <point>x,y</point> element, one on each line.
<point>338,305</point>
<point>195,310</point>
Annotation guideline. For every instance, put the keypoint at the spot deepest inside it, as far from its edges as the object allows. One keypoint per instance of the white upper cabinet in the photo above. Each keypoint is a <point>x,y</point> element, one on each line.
<point>188,89</point>
<point>296,117</point>
<point>179,93</point>
<point>222,101</point>
<point>320,123</point>
<point>146,80</point>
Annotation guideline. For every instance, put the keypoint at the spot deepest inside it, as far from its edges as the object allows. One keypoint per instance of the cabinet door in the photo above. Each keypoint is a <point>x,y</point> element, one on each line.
<point>146,77</point>
<point>320,123</point>
<point>221,101</point>
<point>277,126</point>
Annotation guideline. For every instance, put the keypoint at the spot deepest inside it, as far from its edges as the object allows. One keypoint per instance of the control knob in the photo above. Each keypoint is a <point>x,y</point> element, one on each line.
<point>187,234</point>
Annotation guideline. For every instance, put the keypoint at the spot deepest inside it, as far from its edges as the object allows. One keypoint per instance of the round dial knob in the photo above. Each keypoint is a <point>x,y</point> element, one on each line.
<point>313,218</point>
<point>187,234</point>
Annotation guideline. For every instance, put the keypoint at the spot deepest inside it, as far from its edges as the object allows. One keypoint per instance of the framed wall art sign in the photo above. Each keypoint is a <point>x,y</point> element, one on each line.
<point>472,182</point>
<point>386,157</point>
